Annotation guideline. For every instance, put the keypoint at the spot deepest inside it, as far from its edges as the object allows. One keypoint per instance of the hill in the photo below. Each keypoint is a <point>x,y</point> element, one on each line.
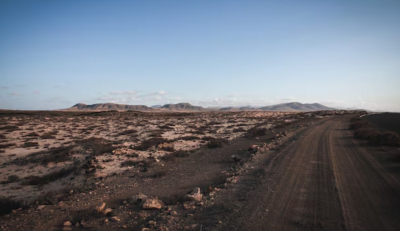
<point>108,107</point>
<point>295,106</point>
<point>181,107</point>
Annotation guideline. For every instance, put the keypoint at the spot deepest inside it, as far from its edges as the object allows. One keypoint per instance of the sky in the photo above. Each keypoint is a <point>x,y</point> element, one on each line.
<point>340,53</point>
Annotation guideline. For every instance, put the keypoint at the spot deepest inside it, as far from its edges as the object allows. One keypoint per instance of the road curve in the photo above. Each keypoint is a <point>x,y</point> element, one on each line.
<point>325,180</point>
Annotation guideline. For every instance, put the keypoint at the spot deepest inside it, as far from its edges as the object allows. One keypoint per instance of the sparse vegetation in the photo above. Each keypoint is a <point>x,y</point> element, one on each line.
<point>365,130</point>
<point>50,177</point>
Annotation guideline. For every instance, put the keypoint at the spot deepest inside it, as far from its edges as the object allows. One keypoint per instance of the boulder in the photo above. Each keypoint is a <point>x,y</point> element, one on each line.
<point>152,203</point>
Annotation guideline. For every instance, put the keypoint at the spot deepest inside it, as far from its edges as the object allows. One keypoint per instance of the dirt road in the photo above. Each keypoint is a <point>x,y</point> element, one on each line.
<point>324,180</point>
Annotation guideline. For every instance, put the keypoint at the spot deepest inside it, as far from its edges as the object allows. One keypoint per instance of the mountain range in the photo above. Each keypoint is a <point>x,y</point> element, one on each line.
<point>293,106</point>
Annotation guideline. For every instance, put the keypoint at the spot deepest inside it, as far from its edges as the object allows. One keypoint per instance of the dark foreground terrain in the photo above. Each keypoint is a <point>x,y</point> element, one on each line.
<point>385,121</point>
<point>325,180</point>
<point>307,175</point>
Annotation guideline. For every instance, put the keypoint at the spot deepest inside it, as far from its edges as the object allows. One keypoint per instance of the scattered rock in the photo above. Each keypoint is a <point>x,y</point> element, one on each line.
<point>40,207</point>
<point>67,223</point>
<point>236,158</point>
<point>100,207</point>
<point>196,195</point>
<point>107,211</point>
<point>152,203</point>
<point>139,197</point>
<point>115,219</point>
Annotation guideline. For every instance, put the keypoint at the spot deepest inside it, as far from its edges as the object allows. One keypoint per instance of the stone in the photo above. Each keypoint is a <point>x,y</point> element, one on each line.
<point>66,228</point>
<point>107,211</point>
<point>100,207</point>
<point>152,203</point>
<point>236,158</point>
<point>40,207</point>
<point>195,195</point>
<point>115,219</point>
<point>139,197</point>
<point>67,223</point>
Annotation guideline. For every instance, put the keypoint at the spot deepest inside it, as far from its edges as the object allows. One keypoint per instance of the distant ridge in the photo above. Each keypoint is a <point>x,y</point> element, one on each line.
<point>293,106</point>
<point>108,107</point>
<point>125,107</point>
<point>182,107</point>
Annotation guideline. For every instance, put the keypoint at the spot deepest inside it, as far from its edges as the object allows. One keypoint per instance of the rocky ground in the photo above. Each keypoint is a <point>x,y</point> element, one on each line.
<point>141,171</point>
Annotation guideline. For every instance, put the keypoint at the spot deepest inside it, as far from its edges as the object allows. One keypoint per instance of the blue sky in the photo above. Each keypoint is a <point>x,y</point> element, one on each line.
<point>54,54</point>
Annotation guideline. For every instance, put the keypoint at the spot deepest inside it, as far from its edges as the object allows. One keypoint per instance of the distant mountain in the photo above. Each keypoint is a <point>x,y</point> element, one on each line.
<point>156,106</point>
<point>295,106</point>
<point>246,108</point>
<point>108,107</point>
<point>181,107</point>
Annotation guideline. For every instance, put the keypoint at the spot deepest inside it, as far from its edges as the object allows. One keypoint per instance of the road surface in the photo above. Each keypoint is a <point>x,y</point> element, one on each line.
<point>325,180</point>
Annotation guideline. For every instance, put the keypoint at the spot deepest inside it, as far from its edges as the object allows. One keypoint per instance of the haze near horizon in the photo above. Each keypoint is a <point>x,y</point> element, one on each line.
<point>54,54</point>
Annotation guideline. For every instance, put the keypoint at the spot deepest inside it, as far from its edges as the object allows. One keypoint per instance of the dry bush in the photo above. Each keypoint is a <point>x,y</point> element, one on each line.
<point>238,130</point>
<point>50,177</point>
<point>11,179</point>
<point>146,144</point>
<point>158,174</point>
<point>99,146</point>
<point>9,128</point>
<point>385,139</point>
<point>49,135</point>
<point>365,132</point>
<point>7,145</point>
<point>56,155</point>
<point>216,143</point>
<point>127,132</point>
<point>255,132</point>
<point>180,154</point>
<point>32,134</point>
<point>188,138</point>
<point>29,144</point>
<point>133,163</point>
<point>8,204</point>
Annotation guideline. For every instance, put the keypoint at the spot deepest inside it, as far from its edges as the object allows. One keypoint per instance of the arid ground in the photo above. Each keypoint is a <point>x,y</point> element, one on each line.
<point>194,171</point>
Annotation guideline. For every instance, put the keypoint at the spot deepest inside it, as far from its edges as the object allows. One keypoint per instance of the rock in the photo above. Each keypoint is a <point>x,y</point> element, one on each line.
<point>152,203</point>
<point>67,223</point>
<point>166,146</point>
<point>66,228</point>
<point>100,207</point>
<point>40,207</point>
<point>253,148</point>
<point>145,229</point>
<point>195,195</point>
<point>236,158</point>
<point>139,197</point>
<point>115,219</point>
<point>107,211</point>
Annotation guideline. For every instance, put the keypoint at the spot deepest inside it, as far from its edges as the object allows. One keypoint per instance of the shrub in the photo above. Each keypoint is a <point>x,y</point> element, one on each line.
<point>7,205</point>
<point>50,177</point>
<point>255,132</point>
<point>365,133</point>
<point>385,138</point>
<point>11,179</point>
<point>180,154</point>
<point>29,144</point>
<point>146,144</point>
<point>216,143</point>
<point>127,132</point>
<point>98,145</point>
<point>158,174</point>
